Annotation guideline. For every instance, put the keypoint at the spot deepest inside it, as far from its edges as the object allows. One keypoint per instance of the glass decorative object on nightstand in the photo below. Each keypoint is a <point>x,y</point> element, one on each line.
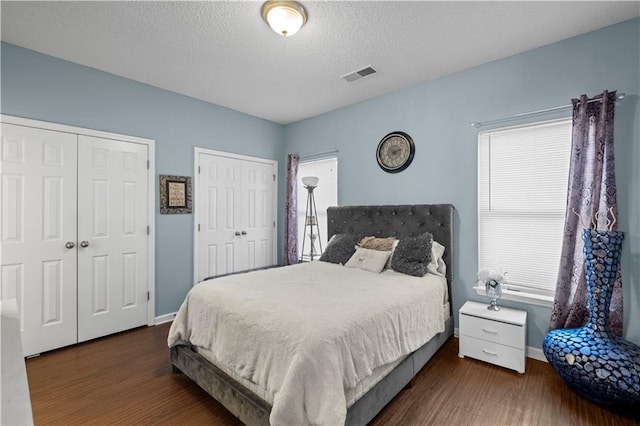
<point>493,280</point>
<point>494,293</point>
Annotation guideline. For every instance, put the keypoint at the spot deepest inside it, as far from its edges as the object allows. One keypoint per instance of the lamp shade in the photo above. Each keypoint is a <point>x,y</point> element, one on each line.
<point>284,17</point>
<point>310,181</point>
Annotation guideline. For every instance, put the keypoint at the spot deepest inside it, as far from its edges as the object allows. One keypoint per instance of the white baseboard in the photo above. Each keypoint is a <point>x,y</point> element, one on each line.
<point>533,353</point>
<point>536,353</point>
<point>161,319</point>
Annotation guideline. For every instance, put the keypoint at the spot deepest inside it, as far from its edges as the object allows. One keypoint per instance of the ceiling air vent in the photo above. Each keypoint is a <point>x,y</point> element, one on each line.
<point>357,75</point>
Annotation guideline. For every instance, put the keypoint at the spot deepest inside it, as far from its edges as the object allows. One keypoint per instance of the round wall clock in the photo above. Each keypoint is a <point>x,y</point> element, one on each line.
<point>395,152</point>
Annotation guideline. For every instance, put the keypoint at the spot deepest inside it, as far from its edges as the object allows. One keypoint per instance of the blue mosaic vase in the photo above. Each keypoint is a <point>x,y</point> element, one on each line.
<point>593,361</point>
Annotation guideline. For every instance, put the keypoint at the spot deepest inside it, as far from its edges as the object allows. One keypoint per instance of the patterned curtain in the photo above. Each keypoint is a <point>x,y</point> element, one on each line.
<point>591,194</point>
<point>291,212</point>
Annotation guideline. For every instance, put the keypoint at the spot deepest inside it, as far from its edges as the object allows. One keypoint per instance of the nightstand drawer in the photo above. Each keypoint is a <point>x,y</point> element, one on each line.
<point>492,331</point>
<point>501,355</point>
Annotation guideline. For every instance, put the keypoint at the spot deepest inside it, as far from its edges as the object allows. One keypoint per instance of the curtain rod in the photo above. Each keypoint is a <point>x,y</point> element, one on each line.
<point>478,124</point>
<point>316,154</point>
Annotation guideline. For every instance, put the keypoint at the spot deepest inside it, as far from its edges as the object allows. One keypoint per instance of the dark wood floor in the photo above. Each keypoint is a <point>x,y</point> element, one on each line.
<point>127,379</point>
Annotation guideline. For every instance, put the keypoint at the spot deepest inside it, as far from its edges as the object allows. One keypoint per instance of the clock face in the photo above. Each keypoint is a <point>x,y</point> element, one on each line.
<point>395,152</point>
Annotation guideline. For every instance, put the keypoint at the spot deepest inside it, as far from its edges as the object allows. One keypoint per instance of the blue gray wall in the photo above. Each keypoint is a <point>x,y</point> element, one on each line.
<point>45,88</point>
<point>437,115</point>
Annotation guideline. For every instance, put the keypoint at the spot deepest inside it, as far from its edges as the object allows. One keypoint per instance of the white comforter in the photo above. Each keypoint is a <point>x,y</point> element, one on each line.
<point>307,332</point>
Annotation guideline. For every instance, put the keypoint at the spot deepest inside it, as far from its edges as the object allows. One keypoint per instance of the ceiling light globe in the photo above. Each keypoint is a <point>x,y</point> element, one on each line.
<point>284,17</point>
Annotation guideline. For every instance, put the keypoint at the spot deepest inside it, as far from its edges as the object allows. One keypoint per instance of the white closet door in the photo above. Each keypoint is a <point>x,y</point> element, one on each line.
<point>38,231</point>
<point>235,212</point>
<point>112,236</point>
<point>257,214</point>
<point>219,215</point>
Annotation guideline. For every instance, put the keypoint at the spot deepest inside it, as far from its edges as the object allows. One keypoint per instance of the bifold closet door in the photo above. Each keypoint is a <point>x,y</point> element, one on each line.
<point>220,231</point>
<point>39,234</point>
<point>112,236</point>
<point>235,214</point>
<point>258,187</point>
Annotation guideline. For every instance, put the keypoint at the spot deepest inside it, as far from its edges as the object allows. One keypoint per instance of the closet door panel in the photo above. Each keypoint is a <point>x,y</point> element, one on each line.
<point>38,234</point>
<point>257,211</point>
<point>112,234</point>
<point>220,216</point>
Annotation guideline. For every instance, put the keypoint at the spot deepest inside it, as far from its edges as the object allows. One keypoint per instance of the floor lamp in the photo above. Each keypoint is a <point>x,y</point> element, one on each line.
<point>310,220</point>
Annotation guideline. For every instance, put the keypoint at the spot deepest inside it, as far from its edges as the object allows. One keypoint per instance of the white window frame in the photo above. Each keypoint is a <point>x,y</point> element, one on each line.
<point>510,291</point>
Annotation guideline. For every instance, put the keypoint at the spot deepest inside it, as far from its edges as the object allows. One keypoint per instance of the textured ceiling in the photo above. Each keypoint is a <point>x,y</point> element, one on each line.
<point>223,53</point>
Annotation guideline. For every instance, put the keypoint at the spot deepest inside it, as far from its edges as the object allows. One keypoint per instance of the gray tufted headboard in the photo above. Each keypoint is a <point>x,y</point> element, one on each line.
<point>398,221</point>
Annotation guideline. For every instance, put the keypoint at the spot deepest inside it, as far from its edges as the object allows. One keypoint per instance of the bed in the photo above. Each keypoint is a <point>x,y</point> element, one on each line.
<point>364,399</point>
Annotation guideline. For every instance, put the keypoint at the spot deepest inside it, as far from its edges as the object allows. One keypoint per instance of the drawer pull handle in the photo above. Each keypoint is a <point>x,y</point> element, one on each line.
<point>489,352</point>
<point>489,331</point>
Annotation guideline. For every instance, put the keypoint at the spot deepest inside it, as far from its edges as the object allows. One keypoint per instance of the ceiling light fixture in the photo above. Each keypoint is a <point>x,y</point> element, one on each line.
<point>284,17</point>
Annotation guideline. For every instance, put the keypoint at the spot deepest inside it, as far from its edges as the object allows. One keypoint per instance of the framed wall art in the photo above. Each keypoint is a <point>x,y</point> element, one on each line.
<point>175,194</point>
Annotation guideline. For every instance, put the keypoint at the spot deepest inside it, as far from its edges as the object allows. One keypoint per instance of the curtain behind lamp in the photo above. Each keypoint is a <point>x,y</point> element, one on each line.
<point>291,212</point>
<point>591,193</point>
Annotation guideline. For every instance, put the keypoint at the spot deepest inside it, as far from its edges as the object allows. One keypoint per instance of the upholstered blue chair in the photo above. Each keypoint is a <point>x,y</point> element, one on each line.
<point>591,360</point>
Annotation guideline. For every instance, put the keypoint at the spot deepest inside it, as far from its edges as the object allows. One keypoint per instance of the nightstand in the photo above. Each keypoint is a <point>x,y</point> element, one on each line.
<point>498,337</point>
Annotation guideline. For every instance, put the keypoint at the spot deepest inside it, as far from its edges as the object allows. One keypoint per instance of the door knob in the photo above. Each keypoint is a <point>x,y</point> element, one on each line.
<point>70,244</point>
<point>84,244</point>
<point>238,233</point>
<point>244,232</point>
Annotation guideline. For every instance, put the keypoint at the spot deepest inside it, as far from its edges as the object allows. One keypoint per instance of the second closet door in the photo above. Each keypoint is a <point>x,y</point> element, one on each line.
<point>112,236</point>
<point>235,213</point>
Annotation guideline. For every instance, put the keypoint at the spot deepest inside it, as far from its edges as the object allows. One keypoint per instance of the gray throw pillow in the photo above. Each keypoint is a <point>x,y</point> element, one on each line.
<point>412,255</point>
<point>340,248</point>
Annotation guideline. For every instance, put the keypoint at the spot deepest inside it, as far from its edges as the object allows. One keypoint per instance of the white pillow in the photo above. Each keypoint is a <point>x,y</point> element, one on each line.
<point>368,259</point>
<point>436,265</point>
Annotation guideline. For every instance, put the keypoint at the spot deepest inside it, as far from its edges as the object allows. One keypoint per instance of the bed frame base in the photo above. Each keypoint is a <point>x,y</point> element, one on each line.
<point>253,410</point>
<point>243,403</point>
<point>371,403</point>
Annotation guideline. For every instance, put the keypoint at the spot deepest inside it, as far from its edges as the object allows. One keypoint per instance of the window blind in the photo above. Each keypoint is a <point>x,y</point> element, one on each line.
<point>522,190</point>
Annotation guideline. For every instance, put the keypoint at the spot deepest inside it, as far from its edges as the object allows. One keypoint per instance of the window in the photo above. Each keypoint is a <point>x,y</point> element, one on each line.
<point>325,194</point>
<point>522,188</point>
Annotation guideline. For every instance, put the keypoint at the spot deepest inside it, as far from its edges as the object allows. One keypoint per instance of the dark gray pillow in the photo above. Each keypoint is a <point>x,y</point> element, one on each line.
<point>340,249</point>
<point>412,255</point>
